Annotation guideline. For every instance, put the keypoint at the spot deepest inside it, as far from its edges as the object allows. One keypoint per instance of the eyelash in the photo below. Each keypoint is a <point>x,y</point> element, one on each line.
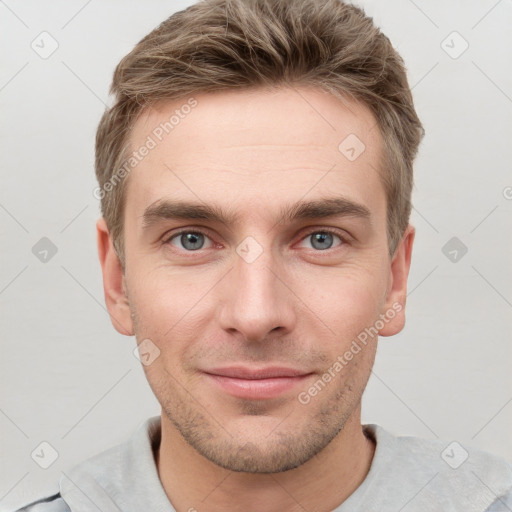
<point>344,239</point>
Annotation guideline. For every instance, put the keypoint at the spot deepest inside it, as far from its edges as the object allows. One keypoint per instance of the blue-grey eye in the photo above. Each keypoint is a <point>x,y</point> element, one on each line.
<point>322,240</point>
<point>189,240</point>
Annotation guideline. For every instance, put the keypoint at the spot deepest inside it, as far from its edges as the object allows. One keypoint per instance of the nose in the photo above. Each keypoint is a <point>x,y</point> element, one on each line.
<point>256,300</point>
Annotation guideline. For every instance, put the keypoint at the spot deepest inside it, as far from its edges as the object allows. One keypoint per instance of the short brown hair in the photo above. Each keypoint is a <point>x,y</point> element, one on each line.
<point>218,45</point>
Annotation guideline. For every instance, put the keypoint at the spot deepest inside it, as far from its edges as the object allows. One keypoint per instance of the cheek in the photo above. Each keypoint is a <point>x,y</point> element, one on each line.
<point>169,308</point>
<point>166,293</point>
<point>347,300</point>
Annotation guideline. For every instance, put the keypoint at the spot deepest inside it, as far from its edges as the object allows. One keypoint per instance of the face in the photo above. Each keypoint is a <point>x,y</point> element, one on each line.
<point>256,255</point>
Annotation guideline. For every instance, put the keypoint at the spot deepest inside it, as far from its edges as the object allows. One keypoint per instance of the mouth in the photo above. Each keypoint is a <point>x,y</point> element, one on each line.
<point>256,383</point>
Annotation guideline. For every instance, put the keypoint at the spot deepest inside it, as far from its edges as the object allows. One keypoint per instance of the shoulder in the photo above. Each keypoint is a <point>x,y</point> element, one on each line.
<point>53,503</point>
<point>502,504</point>
<point>445,474</point>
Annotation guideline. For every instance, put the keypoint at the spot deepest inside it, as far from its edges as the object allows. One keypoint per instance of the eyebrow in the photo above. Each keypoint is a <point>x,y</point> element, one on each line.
<point>318,209</point>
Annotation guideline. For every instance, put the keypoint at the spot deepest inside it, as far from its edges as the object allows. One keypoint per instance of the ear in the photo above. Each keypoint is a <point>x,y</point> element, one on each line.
<point>394,306</point>
<point>113,282</point>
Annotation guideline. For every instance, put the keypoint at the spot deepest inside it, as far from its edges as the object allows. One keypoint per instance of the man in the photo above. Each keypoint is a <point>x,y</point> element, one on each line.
<point>255,181</point>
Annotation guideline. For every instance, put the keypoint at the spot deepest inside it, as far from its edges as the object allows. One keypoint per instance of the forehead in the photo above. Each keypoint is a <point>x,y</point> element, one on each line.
<point>256,147</point>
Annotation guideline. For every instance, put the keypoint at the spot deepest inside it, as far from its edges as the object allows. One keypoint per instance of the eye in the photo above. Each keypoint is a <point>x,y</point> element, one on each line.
<point>194,240</point>
<point>323,239</point>
<point>188,240</point>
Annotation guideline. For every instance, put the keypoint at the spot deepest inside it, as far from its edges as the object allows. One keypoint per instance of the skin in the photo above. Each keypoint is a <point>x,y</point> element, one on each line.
<point>295,306</point>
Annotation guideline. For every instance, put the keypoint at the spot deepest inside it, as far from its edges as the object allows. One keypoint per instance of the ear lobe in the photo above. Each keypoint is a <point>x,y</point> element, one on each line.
<point>114,289</point>
<point>394,306</point>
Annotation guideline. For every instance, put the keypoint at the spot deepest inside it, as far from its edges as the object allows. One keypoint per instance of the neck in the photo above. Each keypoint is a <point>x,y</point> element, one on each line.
<point>324,482</point>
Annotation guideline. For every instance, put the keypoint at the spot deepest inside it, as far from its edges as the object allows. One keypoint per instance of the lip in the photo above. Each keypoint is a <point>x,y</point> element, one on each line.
<point>256,383</point>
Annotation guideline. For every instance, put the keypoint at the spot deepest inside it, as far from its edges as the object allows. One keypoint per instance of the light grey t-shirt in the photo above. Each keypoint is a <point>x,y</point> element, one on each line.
<point>407,474</point>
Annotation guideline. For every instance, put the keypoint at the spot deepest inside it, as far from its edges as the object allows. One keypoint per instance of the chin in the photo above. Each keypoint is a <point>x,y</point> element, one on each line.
<point>253,450</point>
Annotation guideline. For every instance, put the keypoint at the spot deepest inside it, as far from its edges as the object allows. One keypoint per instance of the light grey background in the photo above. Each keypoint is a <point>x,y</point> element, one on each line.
<point>68,378</point>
